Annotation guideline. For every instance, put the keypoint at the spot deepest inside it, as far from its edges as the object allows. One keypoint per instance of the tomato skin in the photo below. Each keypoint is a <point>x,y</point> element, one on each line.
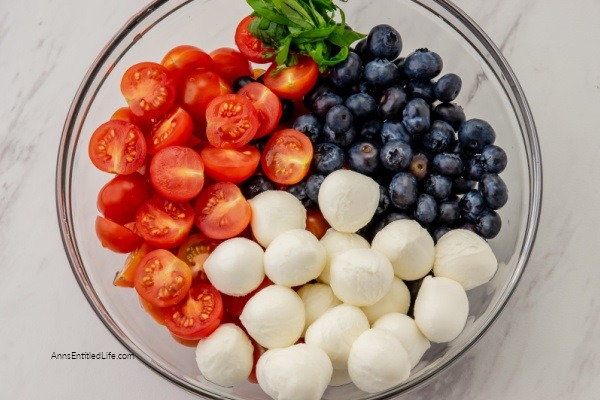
<point>316,223</point>
<point>194,251</point>
<point>177,173</point>
<point>293,82</point>
<point>235,305</point>
<point>175,129</point>
<point>232,121</point>
<point>117,147</point>
<point>163,223</point>
<point>184,58</point>
<point>287,157</point>
<point>116,237</point>
<point>267,105</point>
<point>230,64</point>
<point>125,114</point>
<point>155,312</point>
<point>251,47</point>
<point>124,278</point>
<point>120,198</point>
<point>149,90</point>
<point>230,165</point>
<point>197,315</point>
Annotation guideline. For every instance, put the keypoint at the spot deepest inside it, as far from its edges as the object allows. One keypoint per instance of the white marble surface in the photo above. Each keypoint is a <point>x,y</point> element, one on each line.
<point>546,343</point>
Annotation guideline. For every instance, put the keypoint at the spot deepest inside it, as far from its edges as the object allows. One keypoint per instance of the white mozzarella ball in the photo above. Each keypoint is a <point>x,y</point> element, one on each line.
<point>361,277</point>
<point>275,212</point>
<point>274,317</point>
<point>300,372</point>
<point>378,361</point>
<point>408,246</point>
<point>336,242</point>
<point>294,258</point>
<point>235,267</point>
<point>465,257</point>
<point>441,309</point>
<point>397,300</point>
<point>405,329</point>
<point>340,377</point>
<point>226,356</point>
<point>335,331</point>
<point>317,298</point>
<point>348,200</point>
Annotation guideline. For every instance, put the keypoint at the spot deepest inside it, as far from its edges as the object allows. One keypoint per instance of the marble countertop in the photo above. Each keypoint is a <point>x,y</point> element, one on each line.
<point>545,345</point>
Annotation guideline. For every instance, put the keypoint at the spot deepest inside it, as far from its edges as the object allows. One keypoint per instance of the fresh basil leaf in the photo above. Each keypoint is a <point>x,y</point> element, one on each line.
<point>283,51</point>
<point>297,14</point>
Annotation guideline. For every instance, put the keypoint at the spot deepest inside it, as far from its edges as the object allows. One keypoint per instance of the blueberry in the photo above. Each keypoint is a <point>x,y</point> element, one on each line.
<point>394,130</point>
<point>392,102</point>
<point>416,116</point>
<point>448,164</point>
<point>489,224</point>
<point>325,102</point>
<point>439,186</point>
<point>363,157</point>
<point>439,137</point>
<point>439,232</point>
<point>371,130</point>
<point>447,88</point>
<point>299,191</point>
<point>384,42</point>
<point>256,185</point>
<point>448,213</point>
<point>426,210</point>
<point>339,119</point>
<point>494,191</point>
<point>475,168</point>
<point>287,110</point>
<point>322,86</point>
<point>372,228</point>
<point>309,125</point>
<point>395,216</point>
<point>396,155</point>
<point>419,166</point>
<point>341,139</point>
<point>458,148</point>
<point>400,64</point>
<point>313,184</point>
<point>328,158</point>
<point>362,51</point>
<point>384,201</point>
<point>421,89</point>
<point>261,143</point>
<point>494,159</point>
<point>403,190</point>
<point>261,79</point>
<point>423,64</point>
<point>241,82</point>
<point>475,134</point>
<point>469,226</point>
<point>362,106</point>
<point>461,185</point>
<point>451,113</point>
<point>471,205</point>
<point>381,73</point>
<point>348,71</point>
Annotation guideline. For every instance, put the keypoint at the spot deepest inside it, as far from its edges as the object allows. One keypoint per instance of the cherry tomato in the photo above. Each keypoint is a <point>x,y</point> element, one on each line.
<point>230,165</point>
<point>267,105</point>
<point>222,212</point>
<point>175,129</point>
<point>185,342</point>
<point>198,315</point>
<point>251,47</point>
<point>125,114</point>
<point>194,251</point>
<point>117,147</point>
<point>116,237</point>
<point>155,312</point>
<point>235,305</point>
<point>258,72</point>
<point>316,223</point>
<point>232,121</point>
<point>293,82</point>
<point>149,90</point>
<point>177,173</point>
<point>125,276</point>
<point>121,197</point>
<point>185,58</point>
<point>258,351</point>
<point>230,64</point>
<point>162,279</point>
<point>287,156</point>
<point>163,223</point>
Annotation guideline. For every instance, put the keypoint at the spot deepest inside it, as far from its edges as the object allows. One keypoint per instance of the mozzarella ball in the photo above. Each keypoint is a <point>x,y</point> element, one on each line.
<point>361,277</point>
<point>335,331</point>
<point>274,317</point>
<point>441,309</point>
<point>408,246</point>
<point>226,356</point>
<point>378,361</point>
<point>340,377</point>
<point>235,267</point>
<point>300,372</point>
<point>294,258</point>
<point>275,212</point>
<point>336,242</point>
<point>405,329</point>
<point>465,257</point>
<point>397,300</point>
<point>348,200</point>
<point>317,298</point>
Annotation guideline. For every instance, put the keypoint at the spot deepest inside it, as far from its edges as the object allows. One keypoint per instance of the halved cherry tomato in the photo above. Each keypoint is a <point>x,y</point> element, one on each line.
<point>155,312</point>
<point>293,82</point>
<point>162,279</point>
<point>194,251</point>
<point>116,237</point>
<point>230,165</point>
<point>177,173</point>
<point>232,121</point>
<point>185,342</point>
<point>124,278</point>
<point>230,64</point>
<point>175,129</point>
<point>257,72</point>
<point>125,114</point>
<point>222,211</point>
<point>117,147</point>
<point>251,47</point>
<point>182,59</point>
<point>163,223</point>
<point>198,315</point>
<point>267,105</point>
<point>235,305</point>
<point>149,90</point>
<point>121,197</point>
<point>287,156</point>
<point>316,223</point>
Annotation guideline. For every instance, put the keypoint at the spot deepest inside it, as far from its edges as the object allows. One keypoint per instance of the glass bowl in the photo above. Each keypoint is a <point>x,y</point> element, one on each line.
<point>490,91</point>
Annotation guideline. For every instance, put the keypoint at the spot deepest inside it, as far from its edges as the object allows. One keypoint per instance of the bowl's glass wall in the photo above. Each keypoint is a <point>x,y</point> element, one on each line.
<point>487,93</point>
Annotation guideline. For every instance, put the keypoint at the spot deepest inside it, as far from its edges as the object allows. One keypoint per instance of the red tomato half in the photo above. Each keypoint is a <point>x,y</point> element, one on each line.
<point>121,197</point>
<point>232,121</point>
<point>293,82</point>
<point>116,237</point>
<point>230,64</point>
<point>125,114</point>
<point>163,223</point>
<point>185,58</point>
<point>251,47</point>
<point>198,315</point>
<point>149,90</point>
<point>125,276</point>
<point>287,156</point>
<point>222,211</point>
<point>162,279</point>
<point>316,223</point>
<point>177,173</point>
<point>117,147</point>
<point>175,129</point>
<point>194,251</point>
<point>155,312</point>
<point>267,105</point>
<point>235,305</point>
<point>230,165</point>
